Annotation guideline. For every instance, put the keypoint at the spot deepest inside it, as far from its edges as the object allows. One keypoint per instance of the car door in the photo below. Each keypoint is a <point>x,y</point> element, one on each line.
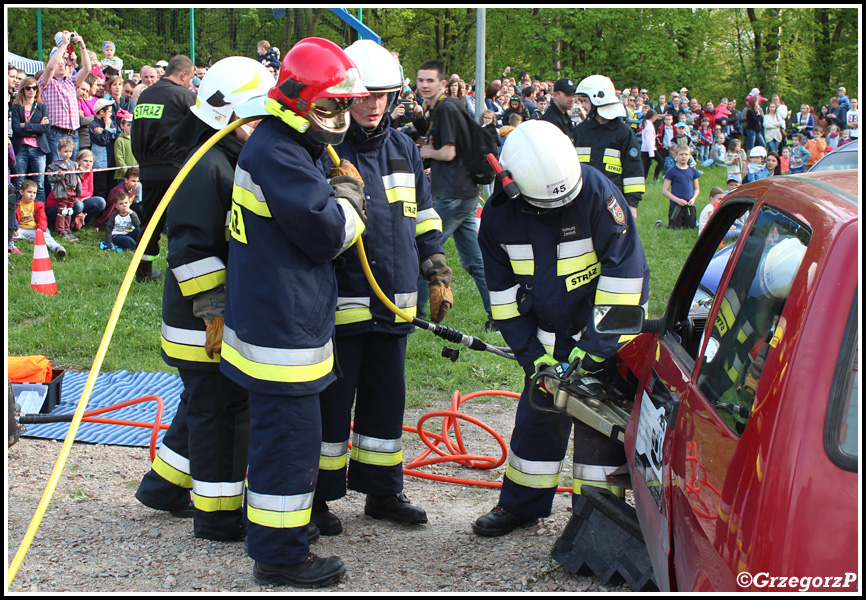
<point>686,446</point>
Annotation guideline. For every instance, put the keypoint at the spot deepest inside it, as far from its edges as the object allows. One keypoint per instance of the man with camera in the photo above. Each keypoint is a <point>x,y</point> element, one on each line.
<point>59,90</point>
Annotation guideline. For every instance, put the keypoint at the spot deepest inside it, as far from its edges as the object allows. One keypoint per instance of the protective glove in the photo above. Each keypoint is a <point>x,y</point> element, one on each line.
<point>210,307</point>
<point>554,367</point>
<point>438,276</point>
<point>352,190</point>
<point>346,169</point>
<point>590,366</point>
<point>214,342</point>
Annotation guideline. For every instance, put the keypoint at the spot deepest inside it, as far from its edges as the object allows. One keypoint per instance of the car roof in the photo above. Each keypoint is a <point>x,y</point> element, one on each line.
<point>843,183</point>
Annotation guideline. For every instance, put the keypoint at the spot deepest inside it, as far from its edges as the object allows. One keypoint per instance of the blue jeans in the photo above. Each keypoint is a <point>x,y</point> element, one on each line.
<point>458,219</point>
<point>92,208</point>
<point>772,146</point>
<point>29,159</point>
<point>753,138</point>
<point>54,137</point>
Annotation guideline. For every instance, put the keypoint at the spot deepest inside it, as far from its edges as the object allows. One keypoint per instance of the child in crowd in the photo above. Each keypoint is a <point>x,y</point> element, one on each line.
<point>31,216</point>
<point>732,184</point>
<point>682,188</point>
<point>757,168</point>
<point>785,160</point>
<point>110,59</point>
<point>67,187</point>
<point>664,135</point>
<point>514,120</point>
<point>122,227</point>
<point>845,137</point>
<point>799,155</point>
<point>716,195</point>
<point>267,55</point>
<point>131,187</point>
<point>832,138</point>
<point>815,146</point>
<point>102,135</point>
<point>123,156</point>
<point>735,158</point>
<point>92,204</point>
<point>705,140</point>
<point>718,152</point>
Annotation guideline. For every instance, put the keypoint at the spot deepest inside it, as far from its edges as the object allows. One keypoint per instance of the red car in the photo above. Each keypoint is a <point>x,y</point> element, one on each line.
<point>743,442</point>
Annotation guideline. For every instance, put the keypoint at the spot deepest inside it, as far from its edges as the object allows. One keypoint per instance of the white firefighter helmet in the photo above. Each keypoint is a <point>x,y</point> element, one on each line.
<point>601,93</point>
<point>236,84</point>
<point>758,151</point>
<point>380,71</point>
<point>780,266</point>
<point>543,163</point>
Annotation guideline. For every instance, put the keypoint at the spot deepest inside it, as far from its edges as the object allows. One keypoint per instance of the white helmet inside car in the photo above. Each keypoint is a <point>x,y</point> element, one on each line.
<point>236,84</point>
<point>380,71</point>
<point>780,266</point>
<point>602,95</point>
<point>543,163</point>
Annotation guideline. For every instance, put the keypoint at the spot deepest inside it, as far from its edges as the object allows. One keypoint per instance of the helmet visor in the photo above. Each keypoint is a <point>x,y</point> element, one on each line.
<point>330,117</point>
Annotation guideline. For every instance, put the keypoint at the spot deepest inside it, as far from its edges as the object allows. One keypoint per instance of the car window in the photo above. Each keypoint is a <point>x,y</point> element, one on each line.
<point>842,427</point>
<point>746,328</point>
<point>836,161</point>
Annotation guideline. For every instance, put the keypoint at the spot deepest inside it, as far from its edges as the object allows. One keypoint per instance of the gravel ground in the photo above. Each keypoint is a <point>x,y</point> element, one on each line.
<point>95,537</point>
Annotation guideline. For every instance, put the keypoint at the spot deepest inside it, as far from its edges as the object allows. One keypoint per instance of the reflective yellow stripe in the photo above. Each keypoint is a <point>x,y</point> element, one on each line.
<point>195,286</point>
<point>427,220</point>
<point>632,185</point>
<point>614,489</point>
<point>503,304</point>
<point>532,473</point>
<point>583,153</point>
<point>215,496</point>
<point>249,194</point>
<point>521,257</point>
<point>353,315</point>
<point>408,303</point>
<point>547,339</point>
<point>279,512</point>
<point>581,278</point>
<point>377,451</point>
<point>618,290</point>
<point>354,226</point>
<point>400,194</point>
<point>333,455</point>
<point>284,365</point>
<point>573,265</point>
<point>171,473</point>
<point>186,344</point>
<point>412,311</point>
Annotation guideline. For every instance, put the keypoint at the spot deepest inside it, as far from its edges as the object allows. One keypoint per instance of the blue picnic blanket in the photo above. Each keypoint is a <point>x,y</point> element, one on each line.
<point>110,389</point>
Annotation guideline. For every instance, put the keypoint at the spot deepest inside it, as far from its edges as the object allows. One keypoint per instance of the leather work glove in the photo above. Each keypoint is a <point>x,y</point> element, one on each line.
<point>438,276</point>
<point>348,169</point>
<point>352,190</point>
<point>214,342</point>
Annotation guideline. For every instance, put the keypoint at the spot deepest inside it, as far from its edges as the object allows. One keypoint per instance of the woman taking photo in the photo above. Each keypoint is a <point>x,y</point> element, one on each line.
<point>29,126</point>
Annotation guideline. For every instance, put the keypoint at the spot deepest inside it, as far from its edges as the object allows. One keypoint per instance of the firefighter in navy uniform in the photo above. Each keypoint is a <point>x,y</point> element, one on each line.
<point>206,447</point>
<point>606,142</point>
<point>403,238</point>
<point>564,245</point>
<point>288,224</point>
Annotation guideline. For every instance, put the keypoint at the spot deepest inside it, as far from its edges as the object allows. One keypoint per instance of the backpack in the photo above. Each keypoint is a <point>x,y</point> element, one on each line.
<point>474,144</point>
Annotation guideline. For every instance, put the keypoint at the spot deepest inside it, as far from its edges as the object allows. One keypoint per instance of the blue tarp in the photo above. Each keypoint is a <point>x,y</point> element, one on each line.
<point>110,389</point>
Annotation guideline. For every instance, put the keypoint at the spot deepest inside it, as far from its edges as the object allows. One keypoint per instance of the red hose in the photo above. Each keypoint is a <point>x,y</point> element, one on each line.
<point>156,425</point>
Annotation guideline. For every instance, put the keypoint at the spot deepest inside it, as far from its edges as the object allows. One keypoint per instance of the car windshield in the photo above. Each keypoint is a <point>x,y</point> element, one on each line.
<point>838,159</point>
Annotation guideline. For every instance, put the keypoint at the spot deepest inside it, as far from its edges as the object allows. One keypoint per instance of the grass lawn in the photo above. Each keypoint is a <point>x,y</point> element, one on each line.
<point>68,327</point>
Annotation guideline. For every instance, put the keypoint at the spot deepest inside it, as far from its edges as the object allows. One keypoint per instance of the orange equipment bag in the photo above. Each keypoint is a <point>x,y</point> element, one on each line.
<point>29,369</point>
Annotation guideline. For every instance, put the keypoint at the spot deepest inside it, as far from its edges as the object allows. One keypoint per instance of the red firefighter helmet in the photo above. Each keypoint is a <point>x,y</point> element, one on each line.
<point>319,82</point>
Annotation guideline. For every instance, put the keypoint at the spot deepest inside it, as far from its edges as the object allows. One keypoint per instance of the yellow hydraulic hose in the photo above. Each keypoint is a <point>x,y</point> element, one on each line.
<point>103,346</point>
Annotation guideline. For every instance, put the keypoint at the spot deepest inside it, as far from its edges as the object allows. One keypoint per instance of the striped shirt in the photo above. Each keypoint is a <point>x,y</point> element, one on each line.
<point>61,101</point>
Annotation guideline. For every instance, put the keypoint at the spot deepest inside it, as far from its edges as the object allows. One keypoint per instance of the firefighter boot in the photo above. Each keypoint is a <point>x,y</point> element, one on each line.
<point>327,522</point>
<point>146,272</point>
<point>499,522</point>
<point>312,573</point>
<point>395,507</point>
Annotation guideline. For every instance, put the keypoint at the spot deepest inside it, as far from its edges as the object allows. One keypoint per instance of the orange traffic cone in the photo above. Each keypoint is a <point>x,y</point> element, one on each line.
<point>42,279</point>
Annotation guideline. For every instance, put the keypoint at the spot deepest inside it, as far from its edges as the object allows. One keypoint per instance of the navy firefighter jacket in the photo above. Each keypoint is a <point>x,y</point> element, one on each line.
<point>547,268</point>
<point>403,229</point>
<point>281,292</point>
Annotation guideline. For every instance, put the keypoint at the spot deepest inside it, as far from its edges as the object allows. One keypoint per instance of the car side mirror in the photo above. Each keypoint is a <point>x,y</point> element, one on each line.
<point>618,319</point>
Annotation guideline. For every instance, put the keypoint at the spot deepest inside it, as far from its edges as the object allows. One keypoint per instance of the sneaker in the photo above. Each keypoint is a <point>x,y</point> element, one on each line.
<point>14,250</point>
<point>395,507</point>
<point>327,522</point>
<point>61,252</point>
<point>312,573</point>
<point>499,522</point>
